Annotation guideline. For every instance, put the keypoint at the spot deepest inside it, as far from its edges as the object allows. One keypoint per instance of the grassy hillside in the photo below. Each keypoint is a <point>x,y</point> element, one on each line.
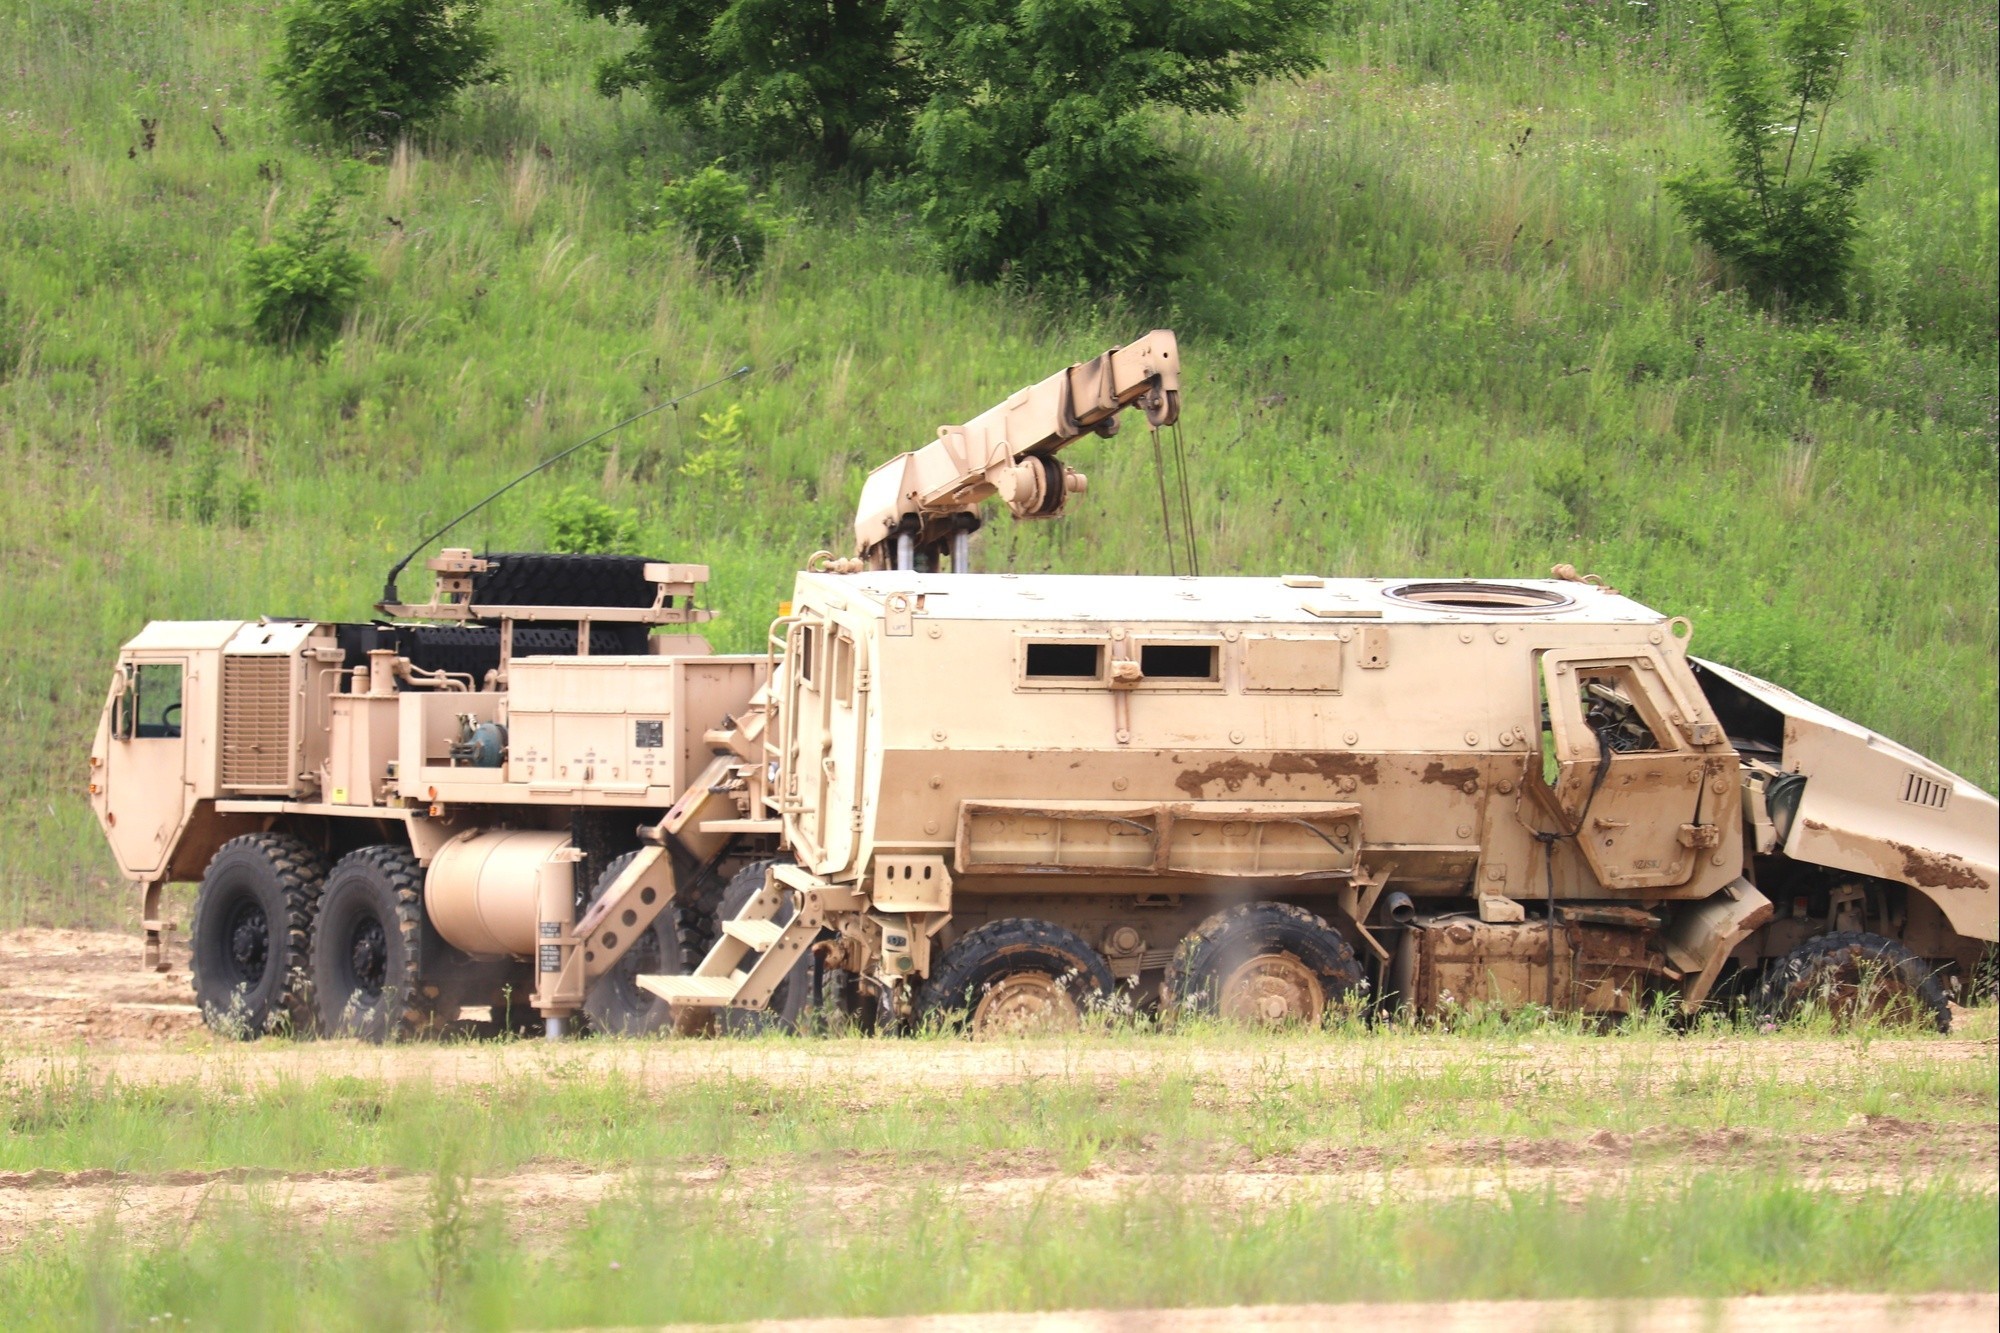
<point>1455,331</point>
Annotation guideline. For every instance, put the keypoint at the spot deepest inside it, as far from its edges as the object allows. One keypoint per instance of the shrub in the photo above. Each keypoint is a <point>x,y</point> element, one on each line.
<point>775,77</point>
<point>1034,153</point>
<point>209,493</point>
<point>585,525</point>
<point>303,283</point>
<point>728,228</point>
<point>1780,216</point>
<point>372,70</point>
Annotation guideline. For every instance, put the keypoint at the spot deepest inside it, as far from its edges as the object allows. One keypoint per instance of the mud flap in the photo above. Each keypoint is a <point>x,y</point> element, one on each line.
<point>1702,935</point>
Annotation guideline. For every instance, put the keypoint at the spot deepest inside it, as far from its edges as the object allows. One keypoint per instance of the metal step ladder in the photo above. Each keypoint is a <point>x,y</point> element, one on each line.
<point>722,981</point>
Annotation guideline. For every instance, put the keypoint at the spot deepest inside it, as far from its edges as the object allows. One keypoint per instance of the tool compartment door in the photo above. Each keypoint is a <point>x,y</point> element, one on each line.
<point>145,763</point>
<point>1622,774</point>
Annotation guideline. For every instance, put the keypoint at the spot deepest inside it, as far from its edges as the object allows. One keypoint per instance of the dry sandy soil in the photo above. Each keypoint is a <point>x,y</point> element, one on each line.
<point>1827,1313</point>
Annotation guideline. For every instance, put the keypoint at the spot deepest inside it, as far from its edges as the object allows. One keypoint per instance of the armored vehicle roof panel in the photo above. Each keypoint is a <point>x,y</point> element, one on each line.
<point>182,635</point>
<point>1297,600</point>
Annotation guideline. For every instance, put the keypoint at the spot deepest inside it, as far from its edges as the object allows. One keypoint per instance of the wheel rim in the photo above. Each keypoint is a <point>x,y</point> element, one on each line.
<point>1858,990</point>
<point>1023,1004</point>
<point>368,957</point>
<point>249,938</point>
<point>1271,989</point>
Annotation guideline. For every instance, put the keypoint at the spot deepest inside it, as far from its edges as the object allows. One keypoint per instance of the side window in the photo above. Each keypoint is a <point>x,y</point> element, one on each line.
<point>158,709</point>
<point>1065,663</point>
<point>843,670</point>
<point>807,659</point>
<point>1609,697</point>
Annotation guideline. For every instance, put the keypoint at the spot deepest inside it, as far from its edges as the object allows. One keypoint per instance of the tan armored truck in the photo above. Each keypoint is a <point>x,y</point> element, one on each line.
<point>1000,800</point>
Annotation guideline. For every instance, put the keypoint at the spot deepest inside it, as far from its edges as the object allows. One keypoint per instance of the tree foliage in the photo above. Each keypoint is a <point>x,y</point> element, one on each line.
<point>776,77</point>
<point>372,70</point>
<point>1783,214</point>
<point>301,284</point>
<point>580,523</point>
<point>1037,152</point>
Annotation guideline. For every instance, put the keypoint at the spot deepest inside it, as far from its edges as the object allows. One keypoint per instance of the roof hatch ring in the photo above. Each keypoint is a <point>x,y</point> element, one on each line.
<point>1479,595</point>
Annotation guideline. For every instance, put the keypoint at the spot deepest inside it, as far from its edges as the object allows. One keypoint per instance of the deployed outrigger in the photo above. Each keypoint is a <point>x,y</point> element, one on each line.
<point>1000,798</point>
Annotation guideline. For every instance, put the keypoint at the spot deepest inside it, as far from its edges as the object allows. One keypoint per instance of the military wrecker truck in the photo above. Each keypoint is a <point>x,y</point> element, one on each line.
<point>999,800</point>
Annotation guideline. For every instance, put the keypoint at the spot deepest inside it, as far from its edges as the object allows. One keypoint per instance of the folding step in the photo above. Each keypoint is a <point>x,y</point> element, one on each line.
<point>693,990</point>
<point>759,935</point>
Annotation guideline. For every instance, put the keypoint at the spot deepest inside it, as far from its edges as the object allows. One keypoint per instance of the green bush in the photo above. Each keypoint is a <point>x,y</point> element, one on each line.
<point>373,70</point>
<point>301,285</point>
<point>728,228</point>
<point>1035,153</point>
<point>583,524</point>
<point>774,77</point>
<point>1780,216</point>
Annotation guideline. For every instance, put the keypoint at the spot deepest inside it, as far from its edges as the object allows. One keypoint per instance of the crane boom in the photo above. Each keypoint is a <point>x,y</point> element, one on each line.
<point>925,503</point>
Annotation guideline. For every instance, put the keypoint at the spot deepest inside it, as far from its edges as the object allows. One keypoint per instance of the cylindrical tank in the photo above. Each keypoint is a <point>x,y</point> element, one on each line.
<point>484,889</point>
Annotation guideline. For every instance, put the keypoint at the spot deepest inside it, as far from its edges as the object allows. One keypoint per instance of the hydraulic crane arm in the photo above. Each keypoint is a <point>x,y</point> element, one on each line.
<point>925,503</point>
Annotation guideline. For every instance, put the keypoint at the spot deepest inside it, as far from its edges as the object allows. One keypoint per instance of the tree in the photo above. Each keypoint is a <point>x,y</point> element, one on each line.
<point>779,77</point>
<point>1785,219</point>
<point>373,70</point>
<point>1036,151</point>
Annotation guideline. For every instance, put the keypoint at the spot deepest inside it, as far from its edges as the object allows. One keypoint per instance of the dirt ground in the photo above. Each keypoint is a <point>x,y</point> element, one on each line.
<point>75,1003</point>
<point>550,1197</point>
<point>1837,1312</point>
<point>87,985</point>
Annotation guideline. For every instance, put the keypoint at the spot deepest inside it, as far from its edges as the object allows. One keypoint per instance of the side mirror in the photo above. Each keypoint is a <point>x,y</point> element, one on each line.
<point>124,705</point>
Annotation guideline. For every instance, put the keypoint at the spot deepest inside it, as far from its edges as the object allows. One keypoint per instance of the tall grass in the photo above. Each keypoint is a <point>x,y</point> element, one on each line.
<point>664,1255</point>
<point>1433,343</point>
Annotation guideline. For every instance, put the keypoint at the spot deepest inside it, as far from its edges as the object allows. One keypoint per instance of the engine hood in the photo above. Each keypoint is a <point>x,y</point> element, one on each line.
<point>1878,808</point>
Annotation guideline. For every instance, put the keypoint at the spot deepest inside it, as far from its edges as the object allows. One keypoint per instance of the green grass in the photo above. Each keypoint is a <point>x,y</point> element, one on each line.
<point>664,1255</point>
<point>1433,343</point>
<point>1397,1098</point>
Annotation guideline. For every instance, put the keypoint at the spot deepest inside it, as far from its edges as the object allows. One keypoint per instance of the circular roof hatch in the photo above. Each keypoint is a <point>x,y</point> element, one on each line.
<point>1479,596</point>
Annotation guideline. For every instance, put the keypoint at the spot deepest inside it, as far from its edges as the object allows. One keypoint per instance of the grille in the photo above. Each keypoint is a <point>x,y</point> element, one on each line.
<point>257,724</point>
<point>1920,790</point>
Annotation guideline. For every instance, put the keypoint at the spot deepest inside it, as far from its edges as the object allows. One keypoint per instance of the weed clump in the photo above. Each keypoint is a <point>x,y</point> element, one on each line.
<point>302,284</point>
<point>728,228</point>
<point>374,70</point>
<point>582,524</point>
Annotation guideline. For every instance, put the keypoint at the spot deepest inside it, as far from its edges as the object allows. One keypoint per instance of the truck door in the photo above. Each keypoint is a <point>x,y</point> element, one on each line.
<point>1620,770</point>
<point>824,756</point>
<point>144,794</point>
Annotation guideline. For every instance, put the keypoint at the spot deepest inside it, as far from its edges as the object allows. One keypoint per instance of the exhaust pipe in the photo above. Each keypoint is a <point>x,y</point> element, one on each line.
<point>1396,905</point>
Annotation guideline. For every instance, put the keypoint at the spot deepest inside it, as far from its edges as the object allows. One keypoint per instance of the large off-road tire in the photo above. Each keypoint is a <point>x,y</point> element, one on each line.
<point>554,579</point>
<point>367,947</point>
<point>253,920</point>
<point>1016,976</point>
<point>1264,963</point>
<point>792,999</point>
<point>671,946</point>
<point>1852,974</point>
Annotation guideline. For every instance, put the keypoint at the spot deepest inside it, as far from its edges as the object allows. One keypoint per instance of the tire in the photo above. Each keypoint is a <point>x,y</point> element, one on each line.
<point>792,999</point>
<point>251,936</point>
<point>521,578</point>
<point>671,946</point>
<point>474,650</point>
<point>367,949</point>
<point>1264,963</point>
<point>1851,969</point>
<point>1015,976</point>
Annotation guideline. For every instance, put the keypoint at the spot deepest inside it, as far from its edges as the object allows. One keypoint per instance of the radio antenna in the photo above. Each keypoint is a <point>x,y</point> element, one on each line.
<point>389,584</point>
